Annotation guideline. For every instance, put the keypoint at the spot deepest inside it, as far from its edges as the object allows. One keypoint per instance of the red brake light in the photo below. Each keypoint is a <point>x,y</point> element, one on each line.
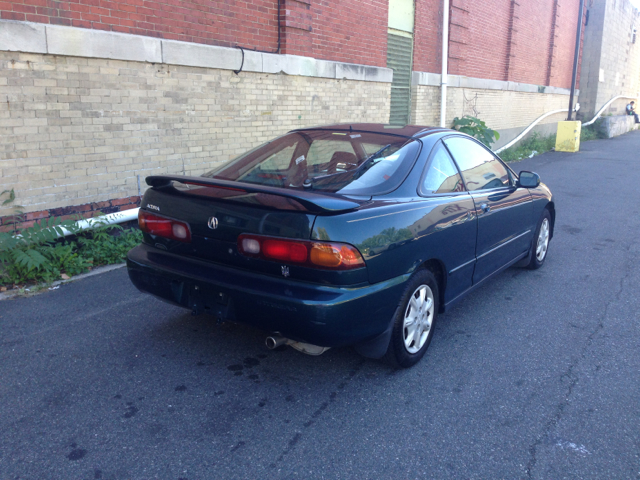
<point>284,250</point>
<point>326,255</point>
<point>164,227</point>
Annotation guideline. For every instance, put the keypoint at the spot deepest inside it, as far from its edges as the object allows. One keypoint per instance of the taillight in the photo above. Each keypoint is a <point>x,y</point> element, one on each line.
<point>163,226</point>
<point>327,255</point>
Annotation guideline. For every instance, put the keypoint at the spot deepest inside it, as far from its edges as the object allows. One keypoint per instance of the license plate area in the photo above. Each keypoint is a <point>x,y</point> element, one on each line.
<point>203,299</point>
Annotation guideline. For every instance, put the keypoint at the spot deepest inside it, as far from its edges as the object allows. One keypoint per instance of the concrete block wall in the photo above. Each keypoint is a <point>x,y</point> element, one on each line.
<point>616,125</point>
<point>76,131</point>
<point>489,106</point>
<point>611,59</point>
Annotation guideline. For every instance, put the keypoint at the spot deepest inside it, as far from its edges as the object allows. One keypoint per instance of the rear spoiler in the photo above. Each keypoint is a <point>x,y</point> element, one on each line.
<point>314,202</point>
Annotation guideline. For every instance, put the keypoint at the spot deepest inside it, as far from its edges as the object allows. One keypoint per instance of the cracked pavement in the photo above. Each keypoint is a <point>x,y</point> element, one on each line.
<point>534,375</point>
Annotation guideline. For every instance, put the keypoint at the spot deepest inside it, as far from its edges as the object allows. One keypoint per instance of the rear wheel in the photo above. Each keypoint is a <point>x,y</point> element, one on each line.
<point>541,239</point>
<point>414,320</point>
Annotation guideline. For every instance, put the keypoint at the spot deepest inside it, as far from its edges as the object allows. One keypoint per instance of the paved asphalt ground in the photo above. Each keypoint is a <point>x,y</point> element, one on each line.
<point>535,375</point>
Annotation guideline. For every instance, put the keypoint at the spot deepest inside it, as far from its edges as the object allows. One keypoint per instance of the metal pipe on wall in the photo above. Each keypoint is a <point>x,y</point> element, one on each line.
<point>445,58</point>
<point>575,59</point>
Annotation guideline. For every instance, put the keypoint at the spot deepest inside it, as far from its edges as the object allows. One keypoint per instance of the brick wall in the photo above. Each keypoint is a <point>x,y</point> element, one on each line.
<point>427,38</point>
<point>76,131</point>
<point>350,31</point>
<point>221,23</point>
<point>343,30</point>
<point>528,42</point>
<point>489,105</point>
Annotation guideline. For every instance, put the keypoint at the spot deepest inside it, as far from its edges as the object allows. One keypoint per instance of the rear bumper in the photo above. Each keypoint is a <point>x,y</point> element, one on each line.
<point>311,313</point>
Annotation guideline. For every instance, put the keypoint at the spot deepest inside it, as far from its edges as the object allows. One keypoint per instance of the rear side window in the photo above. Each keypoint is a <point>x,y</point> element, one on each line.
<point>354,163</point>
<point>441,174</point>
<point>480,169</point>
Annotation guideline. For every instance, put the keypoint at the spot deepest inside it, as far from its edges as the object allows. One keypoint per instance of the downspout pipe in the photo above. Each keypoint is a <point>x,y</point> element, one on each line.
<point>445,67</point>
<point>575,59</point>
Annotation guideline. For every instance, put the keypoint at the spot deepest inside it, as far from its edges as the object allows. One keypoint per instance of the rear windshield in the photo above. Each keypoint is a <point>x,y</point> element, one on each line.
<point>354,163</point>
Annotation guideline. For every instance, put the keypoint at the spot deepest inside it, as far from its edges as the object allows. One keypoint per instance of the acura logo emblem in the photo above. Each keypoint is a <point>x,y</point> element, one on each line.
<point>213,223</point>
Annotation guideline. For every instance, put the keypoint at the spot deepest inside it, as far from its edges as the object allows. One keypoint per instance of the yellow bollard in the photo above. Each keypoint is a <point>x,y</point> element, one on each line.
<point>568,137</point>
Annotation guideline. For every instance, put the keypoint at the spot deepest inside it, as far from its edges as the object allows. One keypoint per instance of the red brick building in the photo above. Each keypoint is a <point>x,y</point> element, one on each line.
<point>528,42</point>
<point>97,94</point>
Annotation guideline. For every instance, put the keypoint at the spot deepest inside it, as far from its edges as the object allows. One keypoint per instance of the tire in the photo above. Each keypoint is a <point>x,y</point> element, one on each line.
<point>411,333</point>
<point>540,243</point>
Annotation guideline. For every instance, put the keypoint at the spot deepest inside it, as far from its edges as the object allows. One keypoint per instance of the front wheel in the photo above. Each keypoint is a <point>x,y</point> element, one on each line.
<point>540,243</point>
<point>414,320</point>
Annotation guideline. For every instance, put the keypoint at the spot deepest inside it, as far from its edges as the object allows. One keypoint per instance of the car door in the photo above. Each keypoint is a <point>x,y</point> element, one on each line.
<point>504,211</point>
<point>453,238</point>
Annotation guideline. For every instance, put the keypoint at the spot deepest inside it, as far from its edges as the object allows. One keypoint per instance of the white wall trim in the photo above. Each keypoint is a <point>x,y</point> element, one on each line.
<point>28,37</point>
<point>460,81</point>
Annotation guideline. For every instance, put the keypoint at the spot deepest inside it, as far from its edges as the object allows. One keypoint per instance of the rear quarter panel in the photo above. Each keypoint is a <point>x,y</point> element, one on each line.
<point>395,237</point>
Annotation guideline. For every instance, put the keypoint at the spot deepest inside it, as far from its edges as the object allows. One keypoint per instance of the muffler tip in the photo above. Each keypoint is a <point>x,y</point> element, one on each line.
<point>275,341</point>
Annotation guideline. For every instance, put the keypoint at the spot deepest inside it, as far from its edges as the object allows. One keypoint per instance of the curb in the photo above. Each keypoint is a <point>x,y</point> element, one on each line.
<point>43,287</point>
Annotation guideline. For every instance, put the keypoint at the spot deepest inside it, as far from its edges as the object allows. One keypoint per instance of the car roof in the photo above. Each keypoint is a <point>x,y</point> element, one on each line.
<point>409,131</point>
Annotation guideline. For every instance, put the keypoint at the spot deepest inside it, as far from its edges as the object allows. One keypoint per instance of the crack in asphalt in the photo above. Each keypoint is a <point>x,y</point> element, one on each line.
<point>291,444</point>
<point>573,380</point>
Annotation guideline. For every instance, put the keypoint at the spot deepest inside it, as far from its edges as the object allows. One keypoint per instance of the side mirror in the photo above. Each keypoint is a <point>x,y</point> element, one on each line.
<point>528,179</point>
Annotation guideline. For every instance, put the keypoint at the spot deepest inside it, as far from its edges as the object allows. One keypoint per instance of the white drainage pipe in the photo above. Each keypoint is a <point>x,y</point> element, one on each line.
<point>528,129</point>
<point>445,68</point>
<point>109,219</point>
<point>590,122</point>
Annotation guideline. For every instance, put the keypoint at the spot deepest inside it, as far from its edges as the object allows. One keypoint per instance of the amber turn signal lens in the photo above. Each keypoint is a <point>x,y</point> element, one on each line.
<point>325,255</point>
<point>332,255</point>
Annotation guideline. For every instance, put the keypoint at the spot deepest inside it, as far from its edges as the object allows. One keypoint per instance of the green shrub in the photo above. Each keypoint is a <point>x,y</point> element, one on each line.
<point>108,244</point>
<point>592,132</point>
<point>534,145</point>
<point>41,253</point>
<point>476,128</point>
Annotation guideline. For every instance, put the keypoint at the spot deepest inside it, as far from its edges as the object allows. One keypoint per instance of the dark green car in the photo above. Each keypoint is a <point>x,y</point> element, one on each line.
<point>342,235</point>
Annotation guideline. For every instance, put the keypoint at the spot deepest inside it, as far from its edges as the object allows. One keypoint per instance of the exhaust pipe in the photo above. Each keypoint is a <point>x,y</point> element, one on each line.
<point>275,341</point>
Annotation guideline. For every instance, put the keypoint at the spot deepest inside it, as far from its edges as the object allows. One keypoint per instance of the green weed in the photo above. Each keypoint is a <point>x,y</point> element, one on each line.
<point>592,132</point>
<point>42,253</point>
<point>534,145</point>
<point>476,128</point>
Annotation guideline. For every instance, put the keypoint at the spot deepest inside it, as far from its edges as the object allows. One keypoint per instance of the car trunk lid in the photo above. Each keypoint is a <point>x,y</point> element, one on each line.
<point>218,211</point>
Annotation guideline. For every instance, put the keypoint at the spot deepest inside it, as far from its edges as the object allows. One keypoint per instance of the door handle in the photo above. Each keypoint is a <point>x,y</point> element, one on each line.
<point>485,208</point>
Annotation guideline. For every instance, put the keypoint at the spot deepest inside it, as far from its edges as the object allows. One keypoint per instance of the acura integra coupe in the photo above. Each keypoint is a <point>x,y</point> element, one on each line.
<point>342,235</point>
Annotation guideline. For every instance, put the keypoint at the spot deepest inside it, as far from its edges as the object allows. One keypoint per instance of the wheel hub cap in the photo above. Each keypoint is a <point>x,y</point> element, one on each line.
<point>543,240</point>
<point>418,318</point>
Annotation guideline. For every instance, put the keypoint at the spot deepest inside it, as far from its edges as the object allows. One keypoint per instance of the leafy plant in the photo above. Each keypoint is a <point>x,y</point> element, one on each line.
<point>42,253</point>
<point>107,244</point>
<point>592,132</point>
<point>476,128</point>
<point>21,255</point>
